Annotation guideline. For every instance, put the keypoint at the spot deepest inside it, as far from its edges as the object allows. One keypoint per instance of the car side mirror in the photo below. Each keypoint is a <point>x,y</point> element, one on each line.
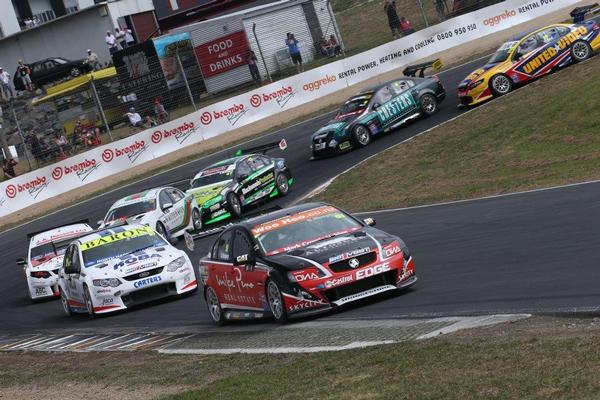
<point>167,206</point>
<point>21,261</point>
<point>100,223</point>
<point>242,177</point>
<point>369,221</point>
<point>245,259</point>
<point>73,269</point>
<point>376,106</point>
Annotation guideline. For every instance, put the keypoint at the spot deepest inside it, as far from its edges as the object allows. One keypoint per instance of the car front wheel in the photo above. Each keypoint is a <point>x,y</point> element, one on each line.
<point>65,303</point>
<point>75,72</point>
<point>214,306</point>
<point>196,219</point>
<point>500,85</point>
<point>361,136</point>
<point>276,303</point>
<point>89,304</point>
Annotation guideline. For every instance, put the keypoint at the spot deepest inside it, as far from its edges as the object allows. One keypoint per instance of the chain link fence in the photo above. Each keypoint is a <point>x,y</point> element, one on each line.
<point>149,85</point>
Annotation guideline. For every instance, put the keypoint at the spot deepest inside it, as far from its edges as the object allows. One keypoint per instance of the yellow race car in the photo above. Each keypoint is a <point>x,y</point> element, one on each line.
<point>528,57</point>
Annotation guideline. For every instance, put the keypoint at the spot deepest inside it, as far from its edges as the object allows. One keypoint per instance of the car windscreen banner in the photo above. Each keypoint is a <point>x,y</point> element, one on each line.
<point>277,97</point>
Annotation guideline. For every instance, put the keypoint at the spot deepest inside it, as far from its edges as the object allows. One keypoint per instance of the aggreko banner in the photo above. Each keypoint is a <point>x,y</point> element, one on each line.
<point>219,118</point>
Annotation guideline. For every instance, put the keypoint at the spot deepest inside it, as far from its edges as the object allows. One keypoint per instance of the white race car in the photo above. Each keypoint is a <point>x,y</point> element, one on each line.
<point>166,209</point>
<point>45,257</point>
<point>115,268</point>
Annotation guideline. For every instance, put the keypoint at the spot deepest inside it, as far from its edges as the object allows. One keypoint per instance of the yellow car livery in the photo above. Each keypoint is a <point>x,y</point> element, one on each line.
<point>528,57</point>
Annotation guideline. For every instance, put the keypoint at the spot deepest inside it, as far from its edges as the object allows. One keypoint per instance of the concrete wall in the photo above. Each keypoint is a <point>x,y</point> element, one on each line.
<point>8,19</point>
<point>67,37</point>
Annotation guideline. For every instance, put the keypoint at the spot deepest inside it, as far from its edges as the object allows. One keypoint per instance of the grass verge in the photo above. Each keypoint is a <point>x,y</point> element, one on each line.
<point>545,134</point>
<point>537,358</point>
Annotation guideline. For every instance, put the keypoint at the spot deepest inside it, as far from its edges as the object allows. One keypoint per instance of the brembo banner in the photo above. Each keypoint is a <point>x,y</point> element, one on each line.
<point>220,118</point>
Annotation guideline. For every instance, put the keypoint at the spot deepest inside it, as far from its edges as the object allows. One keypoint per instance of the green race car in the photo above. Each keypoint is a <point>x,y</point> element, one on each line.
<point>223,189</point>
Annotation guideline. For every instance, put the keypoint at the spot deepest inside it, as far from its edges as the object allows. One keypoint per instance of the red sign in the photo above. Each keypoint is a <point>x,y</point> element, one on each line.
<point>223,54</point>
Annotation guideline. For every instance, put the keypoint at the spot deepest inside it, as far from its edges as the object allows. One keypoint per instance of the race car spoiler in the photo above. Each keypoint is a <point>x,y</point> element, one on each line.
<point>412,70</point>
<point>82,221</point>
<point>281,144</point>
<point>219,229</point>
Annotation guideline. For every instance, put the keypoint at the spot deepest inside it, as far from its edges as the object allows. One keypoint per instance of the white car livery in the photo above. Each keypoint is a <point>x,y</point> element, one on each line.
<point>45,257</point>
<point>116,268</point>
<point>166,209</point>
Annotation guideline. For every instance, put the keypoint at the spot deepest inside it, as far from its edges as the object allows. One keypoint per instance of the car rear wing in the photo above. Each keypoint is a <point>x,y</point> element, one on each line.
<point>82,221</point>
<point>413,70</point>
<point>578,14</point>
<point>219,229</point>
<point>281,144</point>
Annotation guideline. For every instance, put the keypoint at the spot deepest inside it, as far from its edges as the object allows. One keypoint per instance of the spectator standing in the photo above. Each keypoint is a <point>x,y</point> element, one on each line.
<point>292,44</point>
<point>129,39</point>
<point>389,6</point>
<point>8,167</point>
<point>23,71</point>
<point>253,66</point>
<point>92,60</point>
<point>120,36</point>
<point>111,42</point>
<point>406,26</point>
<point>5,87</point>
<point>161,114</point>
<point>61,143</point>
<point>337,49</point>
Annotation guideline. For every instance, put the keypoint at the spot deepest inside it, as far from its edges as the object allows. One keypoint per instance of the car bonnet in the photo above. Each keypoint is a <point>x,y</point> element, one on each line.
<point>132,263</point>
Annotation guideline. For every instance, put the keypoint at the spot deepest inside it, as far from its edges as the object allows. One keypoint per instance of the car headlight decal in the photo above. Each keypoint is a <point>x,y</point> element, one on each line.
<point>112,282</point>
<point>176,264</point>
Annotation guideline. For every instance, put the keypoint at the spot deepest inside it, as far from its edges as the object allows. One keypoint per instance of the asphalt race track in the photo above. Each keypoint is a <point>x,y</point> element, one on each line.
<point>522,253</point>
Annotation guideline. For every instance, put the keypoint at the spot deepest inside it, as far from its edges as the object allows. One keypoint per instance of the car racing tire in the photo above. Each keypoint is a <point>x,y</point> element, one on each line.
<point>581,51</point>
<point>234,205</point>
<point>500,85</point>
<point>160,228</point>
<point>429,104</point>
<point>275,300</point>
<point>65,303</point>
<point>282,184</point>
<point>214,306</point>
<point>89,305</point>
<point>361,136</point>
<point>196,219</point>
<point>74,72</point>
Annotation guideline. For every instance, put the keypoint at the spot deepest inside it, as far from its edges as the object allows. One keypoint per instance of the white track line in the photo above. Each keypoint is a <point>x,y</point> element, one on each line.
<point>211,155</point>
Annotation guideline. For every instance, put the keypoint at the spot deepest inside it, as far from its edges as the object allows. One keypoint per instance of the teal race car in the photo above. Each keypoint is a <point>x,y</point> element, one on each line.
<point>377,110</point>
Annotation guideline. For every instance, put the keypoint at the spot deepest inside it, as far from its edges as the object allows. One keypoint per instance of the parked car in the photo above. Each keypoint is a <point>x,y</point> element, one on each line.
<point>52,69</point>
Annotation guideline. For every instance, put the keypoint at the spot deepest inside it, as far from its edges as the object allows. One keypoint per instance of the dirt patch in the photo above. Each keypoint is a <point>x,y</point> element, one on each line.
<point>450,57</point>
<point>90,391</point>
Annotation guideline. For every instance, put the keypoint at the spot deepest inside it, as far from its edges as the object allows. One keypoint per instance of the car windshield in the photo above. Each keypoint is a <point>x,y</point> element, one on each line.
<point>302,229</point>
<point>355,105</point>
<point>213,175</point>
<point>119,244</point>
<point>502,53</point>
<point>49,250</point>
<point>129,210</point>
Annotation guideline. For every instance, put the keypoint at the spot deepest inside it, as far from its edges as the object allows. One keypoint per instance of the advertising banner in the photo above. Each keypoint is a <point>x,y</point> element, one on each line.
<point>222,54</point>
<point>278,97</point>
<point>167,48</point>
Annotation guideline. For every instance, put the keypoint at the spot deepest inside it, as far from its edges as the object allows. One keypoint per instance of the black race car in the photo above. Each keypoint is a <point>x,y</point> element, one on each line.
<point>301,260</point>
<point>380,109</point>
<point>52,69</point>
<point>223,189</point>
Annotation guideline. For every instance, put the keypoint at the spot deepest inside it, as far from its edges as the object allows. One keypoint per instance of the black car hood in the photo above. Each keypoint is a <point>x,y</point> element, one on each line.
<point>333,249</point>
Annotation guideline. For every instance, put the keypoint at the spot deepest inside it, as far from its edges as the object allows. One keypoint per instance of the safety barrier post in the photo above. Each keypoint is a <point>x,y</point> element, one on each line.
<point>185,80</point>
<point>261,53</point>
<point>97,99</point>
